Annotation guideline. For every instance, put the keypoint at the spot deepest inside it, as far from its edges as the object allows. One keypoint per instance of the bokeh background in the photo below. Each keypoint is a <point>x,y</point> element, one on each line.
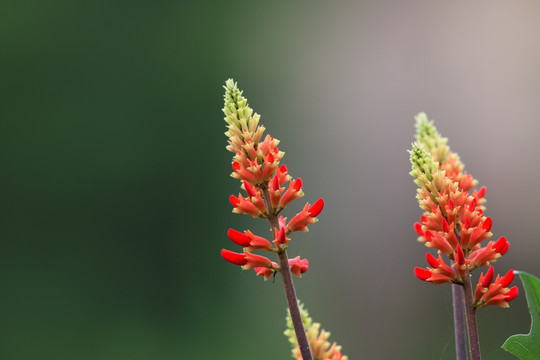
<point>116,179</point>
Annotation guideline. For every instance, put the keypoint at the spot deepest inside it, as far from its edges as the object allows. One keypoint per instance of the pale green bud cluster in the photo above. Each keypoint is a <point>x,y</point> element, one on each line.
<point>427,135</point>
<point>423,166</point>
<point>289,333</point>
<point>238,114</point>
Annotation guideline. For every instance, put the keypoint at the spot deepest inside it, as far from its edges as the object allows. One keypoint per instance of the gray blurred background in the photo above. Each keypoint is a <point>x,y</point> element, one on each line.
<point>116,178</point>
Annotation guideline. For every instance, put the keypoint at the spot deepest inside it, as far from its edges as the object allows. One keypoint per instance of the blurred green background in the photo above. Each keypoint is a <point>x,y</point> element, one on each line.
<point>116,178</point>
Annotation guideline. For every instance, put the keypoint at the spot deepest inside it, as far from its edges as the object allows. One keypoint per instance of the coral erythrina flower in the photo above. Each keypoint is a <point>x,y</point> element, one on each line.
<point>268,187</point>
<point>454,223</point>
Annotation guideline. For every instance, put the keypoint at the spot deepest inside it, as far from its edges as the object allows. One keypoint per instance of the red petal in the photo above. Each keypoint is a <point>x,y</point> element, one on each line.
<point>282,239</point>
<point>249,189</point>
<point>297,184</point>
<point>270,158</point>
<point>512,293</point>
<point>234,258</point>
<point>507,279</point>
<point>316,208</point>
<point>238,238</point>
<point>432,261</point>
<point>235,166</point>
<point>499,244</point>
<point>472,205</point>
<point>482,192</point>
<point>234,200</point>
<point>505,248</point>
<point>487,224</point>
<point>429,235</point>
<point>283,168</point>
<point>445,226</point>
<point>418,228</point>
<point>460,256</point>
<point>486,281</point>
<point>422,274</point>
<point>274,184</point>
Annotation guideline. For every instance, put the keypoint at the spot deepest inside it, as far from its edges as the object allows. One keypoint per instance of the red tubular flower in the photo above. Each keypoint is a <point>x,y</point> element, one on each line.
<point>488,278</point>
<point>264,271</point>
<point>253,206</point>
<point>234,258</point>
<point>249,189</point>
<point>422,274</point>
<point>257,243</point>
<point>281,237</point>
<point>316,208</point>
<point>298,267</point>
<point>496,293</point>
<point>238,238</point>
<point>294,192</point>
<point>301,220</point>
<point>254,260</point>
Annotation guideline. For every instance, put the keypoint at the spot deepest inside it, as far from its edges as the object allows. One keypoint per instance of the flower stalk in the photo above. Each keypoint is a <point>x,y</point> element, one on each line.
<point>454,224</point>
<point>290,292</point>
<point>256,164</point>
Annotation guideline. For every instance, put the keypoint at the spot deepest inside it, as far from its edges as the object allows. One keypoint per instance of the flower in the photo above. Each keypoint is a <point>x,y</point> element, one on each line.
<point>268,187</point>
<point>453,222</point>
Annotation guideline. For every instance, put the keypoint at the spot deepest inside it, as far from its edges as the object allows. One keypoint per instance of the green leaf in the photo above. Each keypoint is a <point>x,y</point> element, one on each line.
<point>527,347</point>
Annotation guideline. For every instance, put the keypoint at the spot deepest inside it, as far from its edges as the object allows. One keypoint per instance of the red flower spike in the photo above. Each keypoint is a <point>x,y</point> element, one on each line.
<point>512,293</point>
<point>238,238</point>
<point>234,258</point>
<point>432,261</point>
<point>418,228</point>
<point>422,274</point>
<point>445,226</point>
<point>488,278</point>
<point>316,208</point>
<point>487,224</point>
<point>507,279</point>
<point>298,267</point>
<point>249,189</point>
<point>234,200</point>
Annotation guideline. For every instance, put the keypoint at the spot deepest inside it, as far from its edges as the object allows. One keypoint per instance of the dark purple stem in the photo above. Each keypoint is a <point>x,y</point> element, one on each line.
<point>290,292</point>
<point>459,322</point>
<point>470,315</point>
